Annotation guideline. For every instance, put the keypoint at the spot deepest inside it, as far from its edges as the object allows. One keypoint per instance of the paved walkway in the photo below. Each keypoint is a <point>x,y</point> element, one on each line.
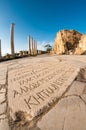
<point>69,113</point>
<point>51,81</point>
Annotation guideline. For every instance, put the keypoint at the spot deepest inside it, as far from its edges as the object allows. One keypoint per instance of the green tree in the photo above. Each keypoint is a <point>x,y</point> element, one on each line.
<point>48,47</point>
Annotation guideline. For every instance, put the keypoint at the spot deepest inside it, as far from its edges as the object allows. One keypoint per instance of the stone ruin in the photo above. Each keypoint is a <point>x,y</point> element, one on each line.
<point>30,88</point>
<point>69,42</point>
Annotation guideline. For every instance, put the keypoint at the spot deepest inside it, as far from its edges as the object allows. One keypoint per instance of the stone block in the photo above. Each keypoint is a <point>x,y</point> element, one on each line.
<point>34,89</point>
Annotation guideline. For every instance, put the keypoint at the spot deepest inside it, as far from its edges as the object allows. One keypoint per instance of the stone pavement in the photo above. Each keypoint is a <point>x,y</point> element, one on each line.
<point>69,113</point>
<point>44,93</point>
<point>3,108</point>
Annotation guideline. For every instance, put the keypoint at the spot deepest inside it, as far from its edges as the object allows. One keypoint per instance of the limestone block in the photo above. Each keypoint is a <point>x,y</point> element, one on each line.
<point>68,114</point>
<point>34,89</point>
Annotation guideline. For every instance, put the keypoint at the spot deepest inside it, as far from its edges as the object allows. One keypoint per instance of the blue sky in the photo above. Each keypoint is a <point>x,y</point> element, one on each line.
<point>39,18</point>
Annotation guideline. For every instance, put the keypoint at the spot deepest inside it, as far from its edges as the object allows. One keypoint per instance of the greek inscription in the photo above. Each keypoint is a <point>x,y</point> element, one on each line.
<point>39,97</point>
<point>37,83</point>
<point>28,103</point>
<point>15,93</point>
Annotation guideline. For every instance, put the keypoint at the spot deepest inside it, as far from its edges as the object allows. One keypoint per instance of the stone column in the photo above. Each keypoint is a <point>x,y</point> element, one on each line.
<point>36,47</point>
<point>12,38</point>
<point>32,46</point>
<point>0,49</point>
<point>29,44</point>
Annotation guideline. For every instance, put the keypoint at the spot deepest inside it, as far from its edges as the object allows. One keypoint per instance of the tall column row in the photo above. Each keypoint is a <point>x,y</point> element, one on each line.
<point>32,46</point>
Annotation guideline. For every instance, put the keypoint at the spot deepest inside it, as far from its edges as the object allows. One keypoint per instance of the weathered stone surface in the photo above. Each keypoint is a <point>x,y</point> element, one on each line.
<point>68,114</point>
<point>2,97</point>
<point>4,125</point>
<point>84,98</point>
<point>3,72</point>
<point>2,89</point>
<point>3,116</point>
<point>34,88</point>
<point>2,108</point>
<point>49,81</point>
<point>69,42</point>
<point>82,75</point>
<point>76,88</point>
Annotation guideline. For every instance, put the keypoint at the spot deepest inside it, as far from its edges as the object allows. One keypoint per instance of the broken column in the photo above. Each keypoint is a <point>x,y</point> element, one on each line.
<point>12,38</point>
<point>29,44</point>
<point>0,49</point>
<point>32,51</point>
<point>36,47</point>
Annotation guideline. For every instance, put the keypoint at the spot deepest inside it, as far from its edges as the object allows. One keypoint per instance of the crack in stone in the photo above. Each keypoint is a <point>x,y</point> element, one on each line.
<point>79,106</point>
<point>20,65</point>
<point>75,96</point>
<point>54,102</point>
<point>82,76</point>
<point>3,118</point>
<point>58,100</point>
<point>3,101</point>
<point>6,90</point>
<point>2,113</point>
<point>37,118</point>
<point>83,100</point>
<point>2,92</point>
<point>2,86</point>
<point>63,124</point>
<point>84,91</point>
